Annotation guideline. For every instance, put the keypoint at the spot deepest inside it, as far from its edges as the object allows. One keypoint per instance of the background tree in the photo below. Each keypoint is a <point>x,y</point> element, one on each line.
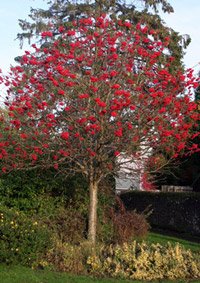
<point>103,91</point>
<point>64,12</point>
<point>185,170</point>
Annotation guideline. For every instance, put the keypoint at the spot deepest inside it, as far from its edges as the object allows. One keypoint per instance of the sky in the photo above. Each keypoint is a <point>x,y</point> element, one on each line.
<point>185,20</point>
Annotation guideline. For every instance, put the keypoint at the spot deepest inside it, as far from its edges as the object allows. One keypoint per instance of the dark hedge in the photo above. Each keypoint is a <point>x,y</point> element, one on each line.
<point>178,212</point>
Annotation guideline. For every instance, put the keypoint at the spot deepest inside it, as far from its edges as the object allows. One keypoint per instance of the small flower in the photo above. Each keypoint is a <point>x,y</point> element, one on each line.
<point>61,92</point>
<point>115,86</point>
<point>23,136</point>
<point>113,114</point>
<point>61,29</point>
<point>34,157</point>
<point>83,95</point>
<point>118,133</point>
<point>55,166</point>
<point>65,135</point>
<point>47,34</point>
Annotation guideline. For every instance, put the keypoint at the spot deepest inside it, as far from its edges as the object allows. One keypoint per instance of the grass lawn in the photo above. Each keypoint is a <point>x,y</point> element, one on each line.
<point>19,274</point>
<point>163,239</point>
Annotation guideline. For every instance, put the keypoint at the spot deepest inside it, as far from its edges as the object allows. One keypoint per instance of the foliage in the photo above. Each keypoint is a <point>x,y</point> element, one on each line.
<point>173,211</point>
<point>106,200</point>
<point>135,260</point>
<point>23,240</point>
<point>61,204</point>
<point>144,262</point>
<point>62,211</point>
<point>185,172</point>
<point>65,105</point>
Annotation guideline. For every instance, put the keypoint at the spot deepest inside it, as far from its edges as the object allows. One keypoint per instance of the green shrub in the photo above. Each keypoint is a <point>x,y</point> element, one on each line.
<point>67,224</point>
<point>22,239</point>
<point>144,262</point>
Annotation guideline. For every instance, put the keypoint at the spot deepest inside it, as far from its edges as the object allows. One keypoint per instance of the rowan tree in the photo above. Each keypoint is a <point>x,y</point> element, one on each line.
<point>100,92</point>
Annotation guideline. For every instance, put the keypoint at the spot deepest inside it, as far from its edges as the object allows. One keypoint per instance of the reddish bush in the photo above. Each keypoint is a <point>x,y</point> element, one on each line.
<point>128,224</point>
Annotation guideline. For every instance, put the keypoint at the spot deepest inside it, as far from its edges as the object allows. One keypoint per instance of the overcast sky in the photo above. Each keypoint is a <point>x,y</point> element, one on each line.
<point>185,20</point>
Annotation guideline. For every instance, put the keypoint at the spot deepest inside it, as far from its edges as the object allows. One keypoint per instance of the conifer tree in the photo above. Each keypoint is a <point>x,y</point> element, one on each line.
<point>64,12</point>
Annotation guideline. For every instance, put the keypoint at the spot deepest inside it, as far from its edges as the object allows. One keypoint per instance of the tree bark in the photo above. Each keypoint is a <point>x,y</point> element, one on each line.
<point>92,225</point>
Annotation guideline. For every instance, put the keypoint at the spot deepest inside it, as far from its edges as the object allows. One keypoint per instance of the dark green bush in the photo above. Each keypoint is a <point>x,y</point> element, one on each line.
<point>22,239</point>
<point>21,189</point>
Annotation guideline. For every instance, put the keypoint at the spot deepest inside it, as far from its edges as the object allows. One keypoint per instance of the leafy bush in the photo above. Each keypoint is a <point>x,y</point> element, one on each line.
<point>22,239</point>
<point>68,224</point>
<point>144,262</point>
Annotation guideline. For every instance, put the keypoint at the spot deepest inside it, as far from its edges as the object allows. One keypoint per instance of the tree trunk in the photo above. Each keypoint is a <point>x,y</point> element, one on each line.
<point>92,229</point>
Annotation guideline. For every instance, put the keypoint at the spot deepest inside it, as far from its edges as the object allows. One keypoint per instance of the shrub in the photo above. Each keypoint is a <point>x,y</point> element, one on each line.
<point>66,258</point>
<point>144,262</point>
<point>21,189</point>
<point>68,224</point>
<point>127,225</point>
<point>23,240</point>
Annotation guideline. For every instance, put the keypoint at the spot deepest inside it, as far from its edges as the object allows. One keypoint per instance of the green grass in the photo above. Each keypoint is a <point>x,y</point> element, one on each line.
<point>163,239</point>
<point>20,274</point>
